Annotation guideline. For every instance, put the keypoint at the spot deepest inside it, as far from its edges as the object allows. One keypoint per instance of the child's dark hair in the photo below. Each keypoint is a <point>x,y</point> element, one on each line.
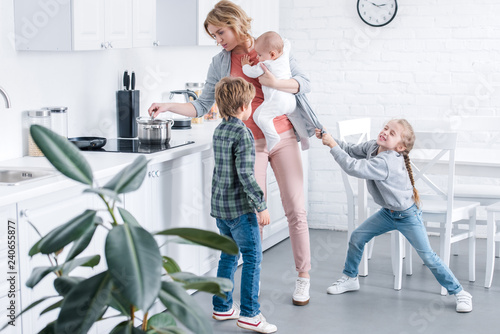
<point>232,93</point>
<point>408,139</point>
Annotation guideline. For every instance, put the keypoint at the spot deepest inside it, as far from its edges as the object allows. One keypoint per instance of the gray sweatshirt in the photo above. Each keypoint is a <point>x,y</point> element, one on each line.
<point>386,176</point>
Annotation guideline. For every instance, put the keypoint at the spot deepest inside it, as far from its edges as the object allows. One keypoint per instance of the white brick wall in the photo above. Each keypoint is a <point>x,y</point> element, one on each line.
<point>437,61</point>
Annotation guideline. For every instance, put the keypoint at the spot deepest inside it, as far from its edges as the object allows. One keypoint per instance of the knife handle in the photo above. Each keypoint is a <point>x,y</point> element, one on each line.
<point>126,80</point>
<point>132,81</point>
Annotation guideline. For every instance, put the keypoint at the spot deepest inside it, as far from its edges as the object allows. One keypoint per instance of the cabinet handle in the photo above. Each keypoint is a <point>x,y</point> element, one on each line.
<point>24,213</point>
<point>154,173</point>
<point>110,45</point>
<point>104,45</point>
<point>156,43</point>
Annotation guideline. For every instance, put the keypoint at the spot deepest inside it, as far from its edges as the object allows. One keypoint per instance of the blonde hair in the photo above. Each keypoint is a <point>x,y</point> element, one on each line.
<point>271,41</point>
<point>228,14</point>
<point>408,140</point>
<point>232,93</point>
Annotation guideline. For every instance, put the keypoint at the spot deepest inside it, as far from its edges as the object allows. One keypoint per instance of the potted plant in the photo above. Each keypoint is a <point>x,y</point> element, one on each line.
<point>137,274</point>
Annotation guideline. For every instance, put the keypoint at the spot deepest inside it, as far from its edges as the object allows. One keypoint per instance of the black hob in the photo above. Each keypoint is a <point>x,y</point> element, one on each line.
<point>134,146</point>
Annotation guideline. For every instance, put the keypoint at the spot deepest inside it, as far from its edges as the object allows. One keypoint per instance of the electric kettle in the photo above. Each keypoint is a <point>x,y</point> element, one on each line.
<point>181,122</point>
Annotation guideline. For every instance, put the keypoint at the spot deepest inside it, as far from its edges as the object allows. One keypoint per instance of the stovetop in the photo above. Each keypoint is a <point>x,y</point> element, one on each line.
<point>134,146</point>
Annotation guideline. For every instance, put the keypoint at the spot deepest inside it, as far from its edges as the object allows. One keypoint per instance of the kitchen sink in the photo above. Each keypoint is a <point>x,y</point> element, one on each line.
<point>14,177</point>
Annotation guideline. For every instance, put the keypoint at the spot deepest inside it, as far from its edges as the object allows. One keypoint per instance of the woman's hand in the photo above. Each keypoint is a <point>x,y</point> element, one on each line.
<point>157,108</point>
<point>245,60</point>
<point>326,138</point>
<point>285,85</point>
<point>267,79</point>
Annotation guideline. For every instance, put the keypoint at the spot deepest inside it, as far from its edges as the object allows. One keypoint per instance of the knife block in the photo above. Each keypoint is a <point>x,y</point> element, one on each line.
<point>127,110</point>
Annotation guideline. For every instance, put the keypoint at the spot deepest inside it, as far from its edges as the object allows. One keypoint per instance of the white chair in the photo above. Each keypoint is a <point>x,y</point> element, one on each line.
<point>438,203</point>
<point>358,131</point>
<point>492,237</point>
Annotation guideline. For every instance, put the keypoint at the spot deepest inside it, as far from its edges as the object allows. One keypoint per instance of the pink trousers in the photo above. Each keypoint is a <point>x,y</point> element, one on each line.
<point>287,166</point>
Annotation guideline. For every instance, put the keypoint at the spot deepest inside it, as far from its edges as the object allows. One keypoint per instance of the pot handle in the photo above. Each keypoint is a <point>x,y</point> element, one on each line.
<point>171,122</point>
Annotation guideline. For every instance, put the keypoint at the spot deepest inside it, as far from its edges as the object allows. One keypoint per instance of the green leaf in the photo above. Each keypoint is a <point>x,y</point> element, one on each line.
<point>126,327</point>
<point>135,263</point>
<point>170,265</point>
<point>84,305</point>
<point>104,192</point>
<point>38,273</point>
<point>184,308</point>
<point>161,320</point>
<point>35,249</point>
<point>213,285</point>
<point>65,234</point>
<point>52,307</point>
<point>119,303</point>
<point>128,218</point>
<point>205,238</point>
<point>64,284</point>
<point>49,329</point>
<point>88,261</point>
<point>62,154</point>
<point>81,243</point>
<point>130,178</point>
<point>166,330</point>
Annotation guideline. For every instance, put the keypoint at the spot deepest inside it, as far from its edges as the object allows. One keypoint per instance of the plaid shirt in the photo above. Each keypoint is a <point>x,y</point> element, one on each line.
<point>235,191</point>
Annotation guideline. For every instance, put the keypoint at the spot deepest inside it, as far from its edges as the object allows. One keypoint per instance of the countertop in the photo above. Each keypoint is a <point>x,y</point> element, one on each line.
<point>104,164</point>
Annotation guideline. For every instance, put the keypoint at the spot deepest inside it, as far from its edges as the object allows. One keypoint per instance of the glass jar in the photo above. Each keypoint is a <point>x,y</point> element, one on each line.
<point>197,88</point>
<point>38,117</point>
<point>59,120</point>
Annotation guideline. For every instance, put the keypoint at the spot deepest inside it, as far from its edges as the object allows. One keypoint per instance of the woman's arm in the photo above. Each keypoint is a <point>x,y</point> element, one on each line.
<point>185,109</point>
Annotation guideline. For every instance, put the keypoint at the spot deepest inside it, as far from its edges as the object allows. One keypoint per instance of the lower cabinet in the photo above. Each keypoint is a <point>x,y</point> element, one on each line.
<point>9,267</point>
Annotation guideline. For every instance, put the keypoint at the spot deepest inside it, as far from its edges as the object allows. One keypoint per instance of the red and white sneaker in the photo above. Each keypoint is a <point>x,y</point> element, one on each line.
<point>232,313</point>
<point>257,324</point>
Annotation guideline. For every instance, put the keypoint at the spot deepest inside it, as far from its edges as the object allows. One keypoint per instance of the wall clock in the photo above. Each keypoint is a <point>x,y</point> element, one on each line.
<point>377,13</point>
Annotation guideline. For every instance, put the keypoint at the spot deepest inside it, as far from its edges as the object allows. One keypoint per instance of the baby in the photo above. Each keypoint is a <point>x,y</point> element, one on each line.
<point>274,53</point>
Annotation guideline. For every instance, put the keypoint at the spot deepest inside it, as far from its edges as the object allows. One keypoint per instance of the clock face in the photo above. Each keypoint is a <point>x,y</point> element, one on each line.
<point>377,13</point>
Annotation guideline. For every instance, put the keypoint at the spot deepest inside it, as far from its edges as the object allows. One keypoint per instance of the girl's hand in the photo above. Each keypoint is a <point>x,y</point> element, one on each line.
<point>267,79</point>
<point>246,61</point>
<point>157,108</point>
<point>328,140</point>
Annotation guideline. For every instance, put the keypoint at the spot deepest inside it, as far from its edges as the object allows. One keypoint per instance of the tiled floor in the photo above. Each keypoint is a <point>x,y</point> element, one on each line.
<point>376,307</point>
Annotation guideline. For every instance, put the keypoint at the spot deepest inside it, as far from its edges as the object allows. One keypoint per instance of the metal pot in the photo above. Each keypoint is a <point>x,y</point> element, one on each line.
<point>154,131</point>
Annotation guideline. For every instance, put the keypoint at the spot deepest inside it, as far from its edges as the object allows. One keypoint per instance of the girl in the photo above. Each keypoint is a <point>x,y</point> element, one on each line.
<point>385,164</point>
<point>229,25</point>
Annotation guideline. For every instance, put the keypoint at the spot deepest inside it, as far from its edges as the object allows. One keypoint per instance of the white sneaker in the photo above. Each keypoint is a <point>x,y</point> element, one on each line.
<point>464,302</point>
<point>300,296</point>
<point>257,324</point>
<point>233,313</point>
<point>344,284</point>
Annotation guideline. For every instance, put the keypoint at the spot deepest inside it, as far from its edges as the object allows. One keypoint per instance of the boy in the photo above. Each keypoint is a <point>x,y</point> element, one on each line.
<point>235,198</point>
<point>274,53</point>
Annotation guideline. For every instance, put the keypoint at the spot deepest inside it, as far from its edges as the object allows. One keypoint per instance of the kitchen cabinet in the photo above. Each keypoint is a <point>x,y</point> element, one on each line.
<point>9,256</point>
<point>73,25</point>
<point>171,196</point>
<point>144,23</point>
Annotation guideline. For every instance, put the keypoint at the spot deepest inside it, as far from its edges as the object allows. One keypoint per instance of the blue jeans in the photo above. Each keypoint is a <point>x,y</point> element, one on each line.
<point>409,223</point>
<point>244,230</point>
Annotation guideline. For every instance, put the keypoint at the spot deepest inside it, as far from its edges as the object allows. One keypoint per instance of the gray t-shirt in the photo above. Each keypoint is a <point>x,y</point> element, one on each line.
<point>386,175</point>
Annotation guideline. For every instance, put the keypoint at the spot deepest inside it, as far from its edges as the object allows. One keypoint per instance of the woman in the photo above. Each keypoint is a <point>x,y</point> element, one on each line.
<point>229,25</point>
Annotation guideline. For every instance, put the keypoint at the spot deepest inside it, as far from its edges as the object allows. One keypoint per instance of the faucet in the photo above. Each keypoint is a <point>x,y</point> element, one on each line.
<point>187,94</point>
<point>5,97</point>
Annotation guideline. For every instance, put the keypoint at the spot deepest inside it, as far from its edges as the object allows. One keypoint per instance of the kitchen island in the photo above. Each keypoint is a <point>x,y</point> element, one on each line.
<point>175,193</point>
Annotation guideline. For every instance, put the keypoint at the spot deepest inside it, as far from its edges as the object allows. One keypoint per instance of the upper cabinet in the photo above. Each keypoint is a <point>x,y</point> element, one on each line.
<point>105,24</point>
<point>73,25</point>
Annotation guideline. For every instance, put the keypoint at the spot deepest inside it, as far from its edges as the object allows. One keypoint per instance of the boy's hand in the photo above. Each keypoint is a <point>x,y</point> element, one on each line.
<point>245,60</point>
<point>326,138</point>
<point>263,217</point>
